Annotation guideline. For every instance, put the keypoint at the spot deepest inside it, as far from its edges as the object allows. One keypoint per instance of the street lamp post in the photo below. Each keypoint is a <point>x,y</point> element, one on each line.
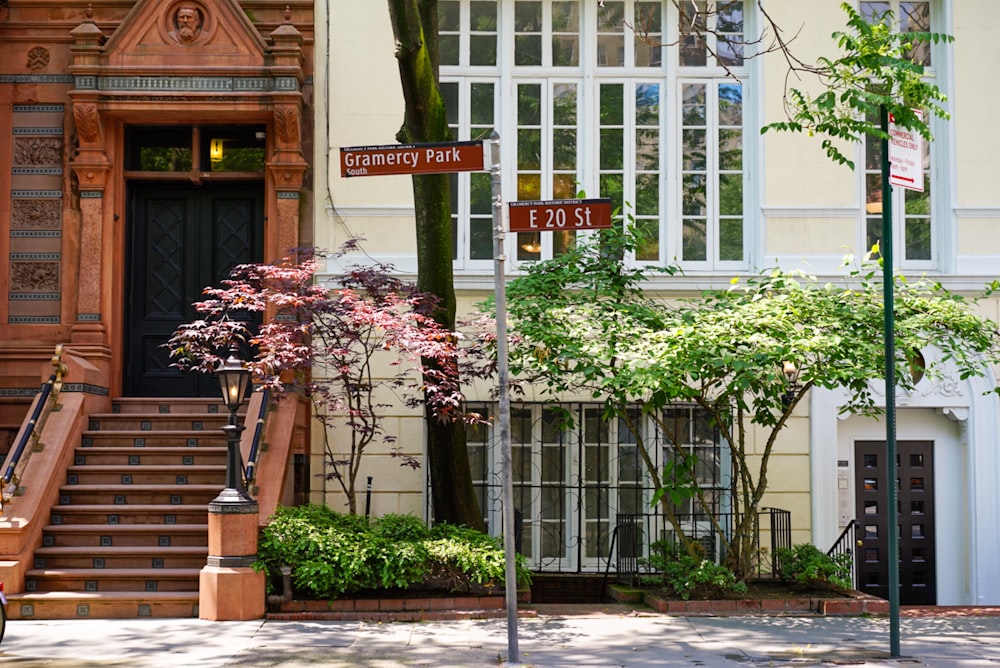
<point>234,381</point>
<point>229,589</point>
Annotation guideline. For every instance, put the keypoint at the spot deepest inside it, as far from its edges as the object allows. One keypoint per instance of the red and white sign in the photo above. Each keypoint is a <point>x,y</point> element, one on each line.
<point>442,158</point>
<point>560,214</point>
<point>906,156</point>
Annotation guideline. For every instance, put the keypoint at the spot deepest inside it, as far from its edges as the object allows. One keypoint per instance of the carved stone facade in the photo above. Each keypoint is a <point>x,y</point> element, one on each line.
<point>72,78</point>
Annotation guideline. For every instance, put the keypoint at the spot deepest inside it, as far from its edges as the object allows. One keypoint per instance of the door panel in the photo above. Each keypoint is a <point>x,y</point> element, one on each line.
<point>915,498</point>
<point>181,239</point>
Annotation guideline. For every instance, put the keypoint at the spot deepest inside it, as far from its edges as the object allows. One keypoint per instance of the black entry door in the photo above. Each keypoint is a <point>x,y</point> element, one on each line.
<point>182,238</point>
<point>915,496</point>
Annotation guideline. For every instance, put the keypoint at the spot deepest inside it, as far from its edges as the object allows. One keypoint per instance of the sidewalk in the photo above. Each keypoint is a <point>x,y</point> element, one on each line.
<point>602,636</point>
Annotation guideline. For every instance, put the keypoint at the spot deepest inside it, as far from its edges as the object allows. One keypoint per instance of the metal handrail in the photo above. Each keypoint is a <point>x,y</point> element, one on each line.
<point>32,429</point>
<point>258,436</point>
<point>845,545</point>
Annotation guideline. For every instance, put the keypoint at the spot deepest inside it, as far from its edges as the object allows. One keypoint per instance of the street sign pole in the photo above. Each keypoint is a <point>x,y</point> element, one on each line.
<point>503,419</point>
<point>891,512</point>
<point>449,157</point>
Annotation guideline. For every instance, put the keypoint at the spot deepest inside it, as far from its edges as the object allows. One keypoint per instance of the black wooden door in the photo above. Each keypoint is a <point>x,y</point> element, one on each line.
<point>915,497</point>
<point>181,238</point>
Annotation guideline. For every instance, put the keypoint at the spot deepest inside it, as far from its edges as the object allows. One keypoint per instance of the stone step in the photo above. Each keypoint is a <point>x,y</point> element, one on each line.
<point>125,535</point>
<point>192,556</point>
<point>157,422</point>
<point>111,579</point>
<point>153,455</point>
<point>137,513</point>
<point>162,439</point>
<point>158,405</point>
<point>173,495</point>
<point>146,475</point>
<point>102,605</point>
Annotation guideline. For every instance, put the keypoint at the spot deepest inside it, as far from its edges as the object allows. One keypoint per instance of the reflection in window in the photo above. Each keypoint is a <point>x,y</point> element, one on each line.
<point>871,507</point>
<point>871,531</point>
<point>871,484</point>
<point>912,210</point>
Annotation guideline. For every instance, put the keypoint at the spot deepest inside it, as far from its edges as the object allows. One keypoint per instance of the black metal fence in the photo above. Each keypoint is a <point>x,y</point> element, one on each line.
<point>845,545</point>
<point>634,533</point>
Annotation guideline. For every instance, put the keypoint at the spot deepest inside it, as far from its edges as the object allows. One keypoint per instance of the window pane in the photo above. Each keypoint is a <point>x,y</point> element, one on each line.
<point>648,231</point>
<point>729,27</point>
<point>647,194</point>
<point>731,239</point>
<point>527,32</point>
<point>612,140</point>
<point>448,31</point>
<point>730,194</point>
<point>916,17</point>
<point>648,29</point>
<point>694,240</point>
<point>647,149</point>
<point>482,104</point>
<point>565,34</point>
<point>611,34</point>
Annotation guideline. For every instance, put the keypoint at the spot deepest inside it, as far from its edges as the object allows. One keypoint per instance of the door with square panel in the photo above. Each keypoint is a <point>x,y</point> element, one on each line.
<point>914,481</point>
<point>181,239</point>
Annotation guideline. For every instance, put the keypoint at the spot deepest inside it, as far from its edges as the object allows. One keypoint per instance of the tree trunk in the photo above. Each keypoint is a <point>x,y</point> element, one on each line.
<point>414,25</point>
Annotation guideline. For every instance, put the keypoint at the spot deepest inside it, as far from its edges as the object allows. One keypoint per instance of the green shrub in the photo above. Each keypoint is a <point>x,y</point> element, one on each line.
<point>806,564</point>
<point>332,554</point>
<point>684,576</point>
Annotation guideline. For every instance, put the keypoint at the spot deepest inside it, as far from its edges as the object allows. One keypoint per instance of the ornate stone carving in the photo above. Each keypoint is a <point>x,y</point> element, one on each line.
<point>36,214</point>
<point>87,125</point>
<point>38,59</point>
<point>286,122</point>
<point>188,21</point>
<point>34,276</point>
<point>37,151</point>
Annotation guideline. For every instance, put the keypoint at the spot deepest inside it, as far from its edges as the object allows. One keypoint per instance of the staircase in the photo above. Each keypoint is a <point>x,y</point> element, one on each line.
<point>129,535</point>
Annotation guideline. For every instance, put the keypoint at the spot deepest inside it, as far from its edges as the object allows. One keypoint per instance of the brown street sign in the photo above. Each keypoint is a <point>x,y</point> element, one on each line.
<point>440,158</point>
<point>560,214</point>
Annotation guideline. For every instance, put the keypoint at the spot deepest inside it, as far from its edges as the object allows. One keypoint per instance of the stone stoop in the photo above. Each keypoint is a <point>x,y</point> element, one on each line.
<point>129,536</point>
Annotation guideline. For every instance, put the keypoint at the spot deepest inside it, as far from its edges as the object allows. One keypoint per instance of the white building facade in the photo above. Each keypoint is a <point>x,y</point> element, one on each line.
<point>616,99</point>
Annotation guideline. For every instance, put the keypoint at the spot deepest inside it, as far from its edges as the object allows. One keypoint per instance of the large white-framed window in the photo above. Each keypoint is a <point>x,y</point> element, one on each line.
<point>576,472</point>
<point>917,217</point>
<point>608,100</point>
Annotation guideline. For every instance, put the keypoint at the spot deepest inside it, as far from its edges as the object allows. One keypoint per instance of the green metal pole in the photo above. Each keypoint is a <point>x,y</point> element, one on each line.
<point>892,473</point>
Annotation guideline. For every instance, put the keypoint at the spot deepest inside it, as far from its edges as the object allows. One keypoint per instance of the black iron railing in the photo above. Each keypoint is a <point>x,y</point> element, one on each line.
<point>31,429</point>
<point>634,533</point>
<point>250,472</point>
<point>845,545</point>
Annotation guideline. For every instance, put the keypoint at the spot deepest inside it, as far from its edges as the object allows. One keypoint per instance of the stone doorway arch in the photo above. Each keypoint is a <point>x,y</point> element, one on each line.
<point>183,62</point>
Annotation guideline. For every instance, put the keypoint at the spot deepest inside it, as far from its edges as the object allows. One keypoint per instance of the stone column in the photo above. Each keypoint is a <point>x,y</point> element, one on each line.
<point>229,589</point>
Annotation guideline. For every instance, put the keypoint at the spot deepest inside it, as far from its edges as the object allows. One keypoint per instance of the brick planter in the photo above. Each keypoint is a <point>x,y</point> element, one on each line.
<point>854,603</point>
<point>398,609</point>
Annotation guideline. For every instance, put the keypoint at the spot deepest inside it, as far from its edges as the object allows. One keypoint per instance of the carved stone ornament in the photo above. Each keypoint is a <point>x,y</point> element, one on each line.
<point>38,59</point>
<point>34,277</point>
<point>29,151</point>
<point>87,126</point>
<point>35,214</point>
<point>286,122</point>
<point>186,23</point>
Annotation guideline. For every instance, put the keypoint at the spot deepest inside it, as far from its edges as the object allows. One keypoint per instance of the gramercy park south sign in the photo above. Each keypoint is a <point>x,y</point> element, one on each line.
<point>412,159</point>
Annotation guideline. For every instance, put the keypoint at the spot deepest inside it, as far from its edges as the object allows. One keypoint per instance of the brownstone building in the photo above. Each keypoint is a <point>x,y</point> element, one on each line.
<point>145,148</point>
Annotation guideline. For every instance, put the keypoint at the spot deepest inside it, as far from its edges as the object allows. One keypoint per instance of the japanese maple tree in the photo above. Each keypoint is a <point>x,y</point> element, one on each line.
<point>334,344</point>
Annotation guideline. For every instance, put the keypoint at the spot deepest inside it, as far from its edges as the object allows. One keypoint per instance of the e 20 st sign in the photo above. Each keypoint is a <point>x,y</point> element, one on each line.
<point>560,214</point>
<point>442,158</point>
